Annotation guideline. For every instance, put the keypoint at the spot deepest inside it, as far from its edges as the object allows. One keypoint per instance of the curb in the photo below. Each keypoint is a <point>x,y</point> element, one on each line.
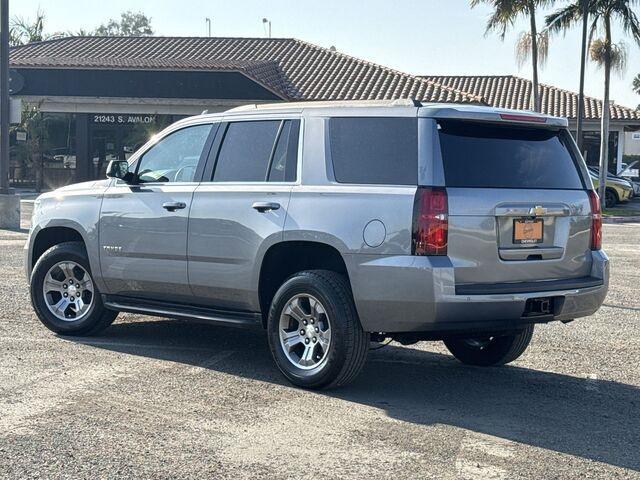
<point>618,219</point>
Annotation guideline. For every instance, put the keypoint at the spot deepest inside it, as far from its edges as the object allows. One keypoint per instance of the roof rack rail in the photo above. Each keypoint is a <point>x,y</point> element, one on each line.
<point>242,108</point>
<point>398,102</point>
<point>407,102</point>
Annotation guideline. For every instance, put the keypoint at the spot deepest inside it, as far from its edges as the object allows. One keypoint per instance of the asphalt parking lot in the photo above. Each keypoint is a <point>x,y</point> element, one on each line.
<point>164,399</point>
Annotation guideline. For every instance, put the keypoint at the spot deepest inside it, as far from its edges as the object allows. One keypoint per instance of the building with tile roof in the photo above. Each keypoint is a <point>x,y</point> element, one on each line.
<point>103,96</point>
<point>288,68</point>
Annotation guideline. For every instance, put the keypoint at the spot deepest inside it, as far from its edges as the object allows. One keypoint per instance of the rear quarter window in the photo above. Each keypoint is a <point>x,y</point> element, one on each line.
<point>378,150</point>
<point>496,156</point>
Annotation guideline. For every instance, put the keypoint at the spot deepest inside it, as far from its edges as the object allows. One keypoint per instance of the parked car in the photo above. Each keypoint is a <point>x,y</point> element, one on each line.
<point>331,225</point>
<point>630,173</point>
<point>618,189</point>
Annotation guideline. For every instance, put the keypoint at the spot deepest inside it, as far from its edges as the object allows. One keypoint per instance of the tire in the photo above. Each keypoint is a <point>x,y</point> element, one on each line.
<point>85,322</point>
<point>610,198</point>
<point>490,351</point>
<point>341,361</point>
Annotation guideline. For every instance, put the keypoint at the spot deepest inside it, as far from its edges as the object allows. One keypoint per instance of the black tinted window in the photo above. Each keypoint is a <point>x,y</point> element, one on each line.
<point>245,151</point>
<point>482,155</point>
<point>375,150</point>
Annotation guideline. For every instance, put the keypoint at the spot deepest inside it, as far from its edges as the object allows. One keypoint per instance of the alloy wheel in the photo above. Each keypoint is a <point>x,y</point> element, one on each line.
<point>68,291</point>
<point>305,331</point>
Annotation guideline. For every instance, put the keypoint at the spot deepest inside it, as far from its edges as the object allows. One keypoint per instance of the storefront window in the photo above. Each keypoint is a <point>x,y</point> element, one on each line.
<point>591,149</point>
<point>118,136</point>
<point>43,150</point>
<point>44,147</point>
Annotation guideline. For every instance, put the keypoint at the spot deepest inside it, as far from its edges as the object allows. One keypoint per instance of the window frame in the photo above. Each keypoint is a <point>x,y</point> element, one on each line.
<point>135,159</point>
<point>212,159</point>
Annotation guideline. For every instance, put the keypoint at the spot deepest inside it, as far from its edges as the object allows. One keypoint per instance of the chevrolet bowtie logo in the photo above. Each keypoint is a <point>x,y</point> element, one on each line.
<point>537,210</point>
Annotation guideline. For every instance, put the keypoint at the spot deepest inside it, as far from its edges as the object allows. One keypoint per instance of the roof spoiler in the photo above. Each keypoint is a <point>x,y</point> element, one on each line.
<point>495,115</point>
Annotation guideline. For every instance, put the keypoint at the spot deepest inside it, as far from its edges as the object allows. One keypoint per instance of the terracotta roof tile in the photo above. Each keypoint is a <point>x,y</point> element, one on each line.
<point>508,91</point>
<point>293,69</point>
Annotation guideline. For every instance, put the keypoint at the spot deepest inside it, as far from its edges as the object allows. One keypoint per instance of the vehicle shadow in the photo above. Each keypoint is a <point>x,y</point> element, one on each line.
<point>595,419</point>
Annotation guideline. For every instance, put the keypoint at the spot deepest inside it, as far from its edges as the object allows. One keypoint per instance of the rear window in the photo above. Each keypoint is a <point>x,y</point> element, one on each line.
<point>374,150</point>
<point>482,155</point>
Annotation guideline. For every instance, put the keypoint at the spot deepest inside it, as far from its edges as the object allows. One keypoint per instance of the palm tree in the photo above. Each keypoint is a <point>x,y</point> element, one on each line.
<point>531,44</point>
<point>603,51</point>
<point>23,30</point>
<point>636,87</point>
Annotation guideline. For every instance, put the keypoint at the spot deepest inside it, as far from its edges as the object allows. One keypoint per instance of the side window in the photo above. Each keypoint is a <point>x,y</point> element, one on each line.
<point>175,157</point>
<point>258,151</point>
<point>245,151</point>
<point>285,156</point>
<point>374,150</point>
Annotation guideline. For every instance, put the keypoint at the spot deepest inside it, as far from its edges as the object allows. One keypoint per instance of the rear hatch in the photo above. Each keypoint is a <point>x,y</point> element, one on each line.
<point>519,211</point>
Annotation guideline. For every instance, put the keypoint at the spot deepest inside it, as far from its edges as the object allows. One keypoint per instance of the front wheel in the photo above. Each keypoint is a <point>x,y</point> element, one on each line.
<point>610,198</point>
<point>64,295</point>
<point>314,332</point>
<point>489,350</point>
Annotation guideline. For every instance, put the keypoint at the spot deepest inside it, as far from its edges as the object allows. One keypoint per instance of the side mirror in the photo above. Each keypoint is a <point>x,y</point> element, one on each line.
<point>118,169</point>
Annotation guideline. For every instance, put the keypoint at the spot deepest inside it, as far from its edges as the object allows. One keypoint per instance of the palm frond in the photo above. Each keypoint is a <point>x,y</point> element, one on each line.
<point>564,18</point>
<point>523,48</point>
<point>23,30</point>
<point>630,22</point>
<point>504,14</point>
<point>593,31</point>
<point>617,54</point>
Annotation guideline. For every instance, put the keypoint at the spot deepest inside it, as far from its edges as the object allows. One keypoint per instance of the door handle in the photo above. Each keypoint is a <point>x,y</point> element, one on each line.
<point>173,206</point>
<point>265,206</point>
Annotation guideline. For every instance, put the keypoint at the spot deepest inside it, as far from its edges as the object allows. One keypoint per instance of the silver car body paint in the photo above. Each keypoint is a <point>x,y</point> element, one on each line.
<point>211,252</point>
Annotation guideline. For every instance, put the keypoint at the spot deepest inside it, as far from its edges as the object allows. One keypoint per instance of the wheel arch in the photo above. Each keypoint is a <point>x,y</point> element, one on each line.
<point>285,258</point>
<point>47,237</point>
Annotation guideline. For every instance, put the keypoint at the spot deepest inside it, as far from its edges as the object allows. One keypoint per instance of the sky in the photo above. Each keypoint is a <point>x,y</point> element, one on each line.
<point>422,37</point>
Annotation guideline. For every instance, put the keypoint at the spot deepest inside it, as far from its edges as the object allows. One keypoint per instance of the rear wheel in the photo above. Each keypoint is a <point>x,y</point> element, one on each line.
<point>610,198</point>
<point>314,332</point>
<point>489,350</point>
<point>64,295</point>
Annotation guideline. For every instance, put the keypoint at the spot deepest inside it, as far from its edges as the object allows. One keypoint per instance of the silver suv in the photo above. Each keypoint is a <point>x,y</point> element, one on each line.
<point>332,225</point>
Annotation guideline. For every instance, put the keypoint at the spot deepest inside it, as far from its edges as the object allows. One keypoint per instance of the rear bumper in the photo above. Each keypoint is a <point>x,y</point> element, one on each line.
<point>625,195</point>
<point>418,294</point>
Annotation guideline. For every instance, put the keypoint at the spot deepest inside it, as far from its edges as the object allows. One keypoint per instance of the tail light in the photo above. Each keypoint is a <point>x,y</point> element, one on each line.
<point>430,221</point>
<point>596,221</point>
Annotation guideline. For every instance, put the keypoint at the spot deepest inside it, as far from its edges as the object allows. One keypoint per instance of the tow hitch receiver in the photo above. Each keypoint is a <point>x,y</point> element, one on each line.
<point>535,307</point>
